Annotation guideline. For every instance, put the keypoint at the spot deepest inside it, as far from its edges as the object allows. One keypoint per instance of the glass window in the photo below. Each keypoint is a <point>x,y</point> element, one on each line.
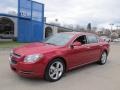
<point>92,39</point>
<point>59,39</point>
<point>81,39</point>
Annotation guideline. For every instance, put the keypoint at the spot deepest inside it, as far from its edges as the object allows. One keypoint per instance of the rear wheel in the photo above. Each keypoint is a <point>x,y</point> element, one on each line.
<point>103,58</point>
<point>55,70</point>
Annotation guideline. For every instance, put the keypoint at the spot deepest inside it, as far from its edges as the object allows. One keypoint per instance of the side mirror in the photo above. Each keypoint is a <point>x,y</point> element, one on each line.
<point>76,44</point>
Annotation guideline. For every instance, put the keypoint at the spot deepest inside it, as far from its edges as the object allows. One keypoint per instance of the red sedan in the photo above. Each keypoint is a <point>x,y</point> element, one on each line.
<point>58,54</point>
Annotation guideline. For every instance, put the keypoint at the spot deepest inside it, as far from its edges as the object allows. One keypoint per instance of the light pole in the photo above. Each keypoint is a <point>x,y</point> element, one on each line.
<point>111,29</point>
<point>111,26</point>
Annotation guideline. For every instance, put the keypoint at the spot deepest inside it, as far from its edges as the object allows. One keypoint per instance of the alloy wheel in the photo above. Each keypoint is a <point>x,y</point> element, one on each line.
<point>56,70</point>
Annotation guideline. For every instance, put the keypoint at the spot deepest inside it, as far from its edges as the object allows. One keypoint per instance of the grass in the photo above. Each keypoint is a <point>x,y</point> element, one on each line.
<point>10,44</point>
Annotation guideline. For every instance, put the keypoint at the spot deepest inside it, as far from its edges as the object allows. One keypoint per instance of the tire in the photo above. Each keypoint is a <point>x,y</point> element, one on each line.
<point>55,70</point>
<point>103,58</point>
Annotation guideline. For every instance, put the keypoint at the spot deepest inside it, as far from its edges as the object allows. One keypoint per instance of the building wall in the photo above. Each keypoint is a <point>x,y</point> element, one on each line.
<point>54,29</point>
<point>14,19</point>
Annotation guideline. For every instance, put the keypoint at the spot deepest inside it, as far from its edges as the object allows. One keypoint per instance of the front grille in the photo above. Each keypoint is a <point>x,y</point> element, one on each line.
<point>16,55</point>
<point>26,72</point>
<point>14,58</point>
<point>13,61</point>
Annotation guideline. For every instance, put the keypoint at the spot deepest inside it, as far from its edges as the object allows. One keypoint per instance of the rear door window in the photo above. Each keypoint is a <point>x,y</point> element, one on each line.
<point>92,39</point>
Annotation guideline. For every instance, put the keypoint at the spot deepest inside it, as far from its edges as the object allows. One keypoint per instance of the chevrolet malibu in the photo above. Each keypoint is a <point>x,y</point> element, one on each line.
<point>58,54</point>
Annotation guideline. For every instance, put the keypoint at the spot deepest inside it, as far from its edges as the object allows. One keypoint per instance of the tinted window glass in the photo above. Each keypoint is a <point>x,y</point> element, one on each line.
<point>81,39</point>
<point>92,39</point>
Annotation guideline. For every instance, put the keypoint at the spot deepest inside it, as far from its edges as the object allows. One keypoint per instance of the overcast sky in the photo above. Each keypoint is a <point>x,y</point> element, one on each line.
<point>98,12</point>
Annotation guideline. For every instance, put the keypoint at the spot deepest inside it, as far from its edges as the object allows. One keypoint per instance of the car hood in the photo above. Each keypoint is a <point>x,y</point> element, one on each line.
<point>35,48</point>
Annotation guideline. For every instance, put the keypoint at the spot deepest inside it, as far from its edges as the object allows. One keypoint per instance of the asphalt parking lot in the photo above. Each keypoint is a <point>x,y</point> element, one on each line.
<point>90,77</point>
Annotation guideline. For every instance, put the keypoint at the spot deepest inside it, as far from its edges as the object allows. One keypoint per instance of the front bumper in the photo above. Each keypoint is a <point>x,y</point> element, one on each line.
<point>35,70</point>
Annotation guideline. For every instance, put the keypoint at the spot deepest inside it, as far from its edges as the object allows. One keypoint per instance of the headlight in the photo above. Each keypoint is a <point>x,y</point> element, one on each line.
<point>32,58</point>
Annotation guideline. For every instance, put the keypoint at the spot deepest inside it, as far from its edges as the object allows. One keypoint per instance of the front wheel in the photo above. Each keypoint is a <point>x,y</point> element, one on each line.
<point>103,58</point>
<point>55,70</point>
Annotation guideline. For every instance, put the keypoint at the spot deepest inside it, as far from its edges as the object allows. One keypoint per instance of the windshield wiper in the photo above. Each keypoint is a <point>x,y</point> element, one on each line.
<point>50,43</point>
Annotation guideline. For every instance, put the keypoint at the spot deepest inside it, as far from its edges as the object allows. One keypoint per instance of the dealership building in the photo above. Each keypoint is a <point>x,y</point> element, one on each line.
<point>26,23</point>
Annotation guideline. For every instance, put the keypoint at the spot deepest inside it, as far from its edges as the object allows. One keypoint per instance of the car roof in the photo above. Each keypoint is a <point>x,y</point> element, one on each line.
<point>79,33</point>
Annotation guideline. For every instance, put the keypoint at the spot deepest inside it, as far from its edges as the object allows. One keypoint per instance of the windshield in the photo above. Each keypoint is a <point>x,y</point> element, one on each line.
<point>59,39</point>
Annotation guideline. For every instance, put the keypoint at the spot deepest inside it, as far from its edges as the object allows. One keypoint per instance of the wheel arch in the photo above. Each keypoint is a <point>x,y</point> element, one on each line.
<point>64,61</point>
<point>61,58</point>
<point>105,50</point>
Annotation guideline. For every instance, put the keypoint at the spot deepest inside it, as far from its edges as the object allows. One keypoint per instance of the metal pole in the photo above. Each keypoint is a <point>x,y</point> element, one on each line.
<point>111,26</point>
